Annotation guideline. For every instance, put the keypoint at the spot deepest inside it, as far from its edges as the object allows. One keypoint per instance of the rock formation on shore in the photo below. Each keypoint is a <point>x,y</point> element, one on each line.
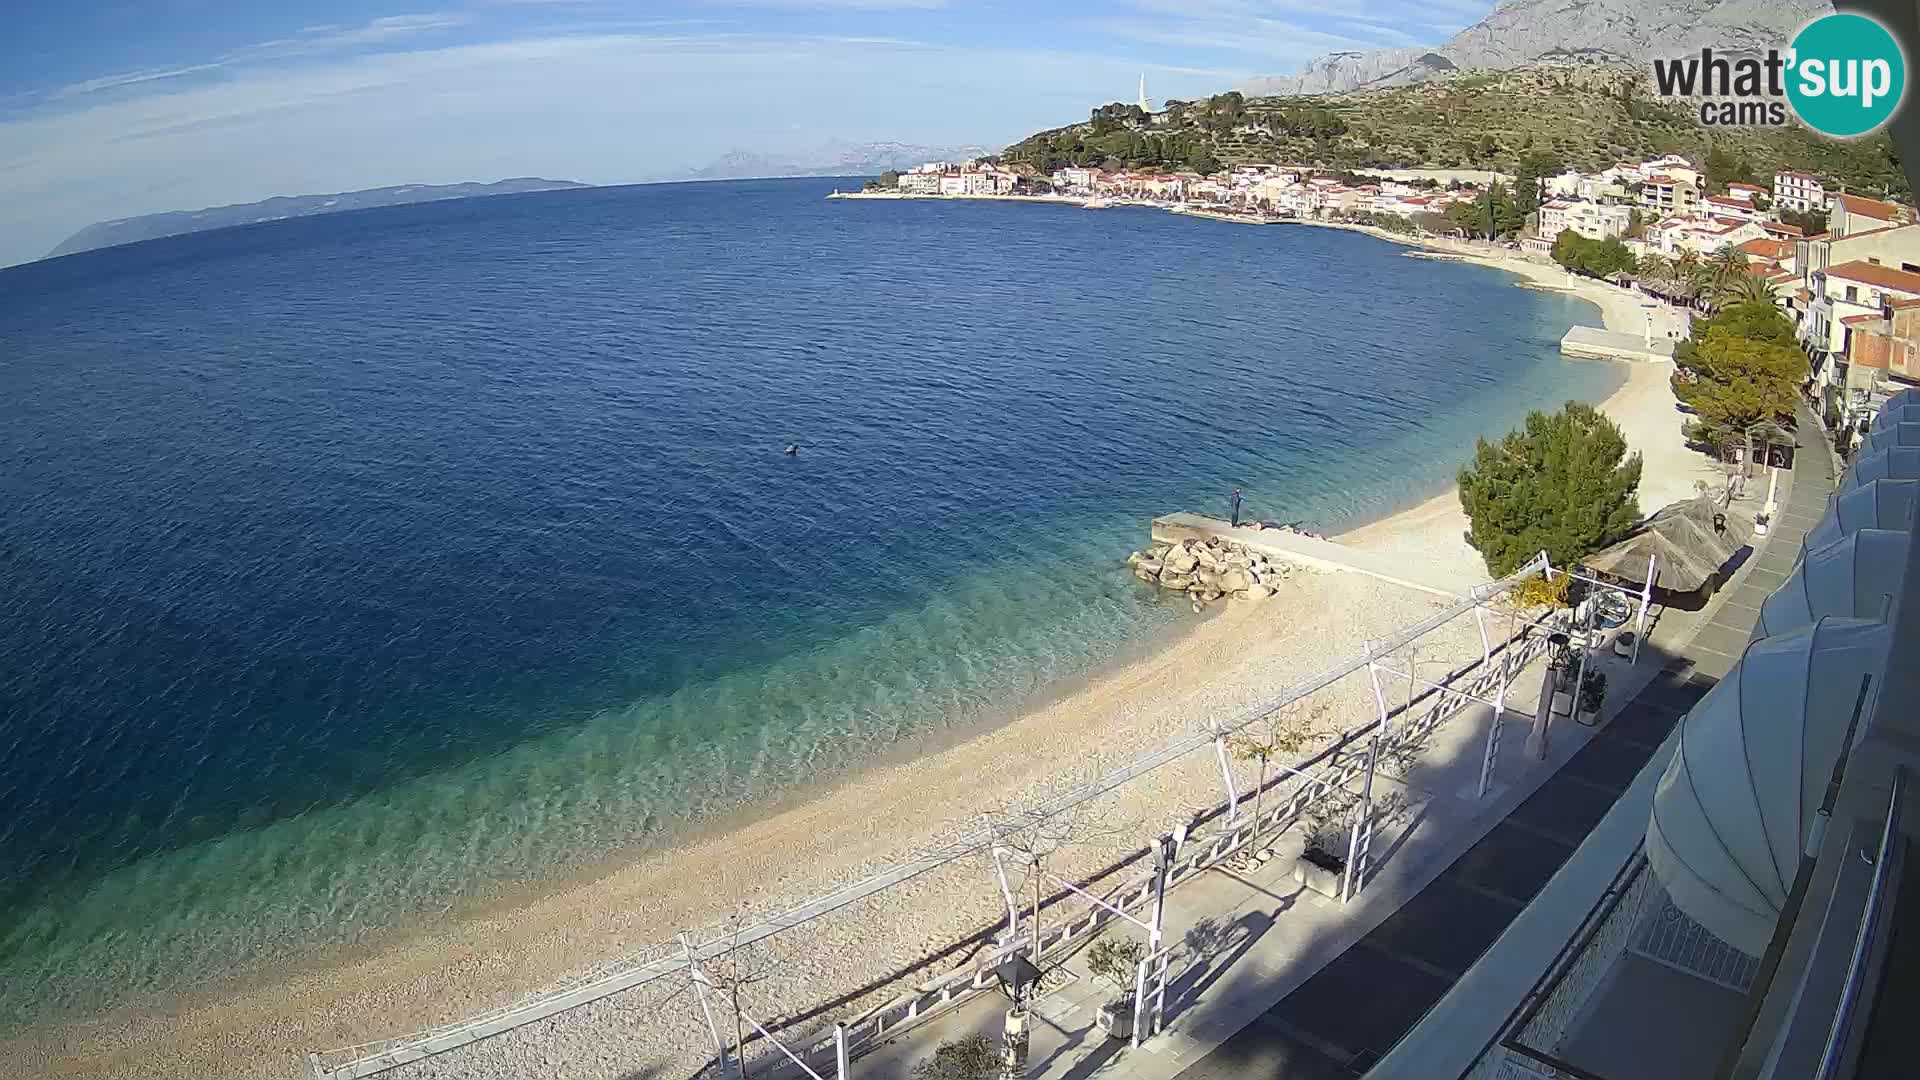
<point>1209,570</point>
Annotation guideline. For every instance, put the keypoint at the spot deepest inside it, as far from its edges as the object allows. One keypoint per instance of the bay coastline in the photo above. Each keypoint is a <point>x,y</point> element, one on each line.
<point>522,942</point>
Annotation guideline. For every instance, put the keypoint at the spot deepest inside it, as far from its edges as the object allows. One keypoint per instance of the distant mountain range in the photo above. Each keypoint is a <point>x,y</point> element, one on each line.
<point>176,222</point>
<point>831,159</point>
<point>1520,33</point>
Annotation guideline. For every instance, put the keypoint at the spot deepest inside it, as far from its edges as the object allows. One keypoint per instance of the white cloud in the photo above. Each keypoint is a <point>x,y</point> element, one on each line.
<point>1292,29</point>
<point>124,79</point>
<point>323,38</point>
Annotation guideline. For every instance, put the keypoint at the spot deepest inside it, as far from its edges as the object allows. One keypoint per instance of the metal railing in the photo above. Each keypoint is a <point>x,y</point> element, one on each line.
<point>1840,1035</point>
<point>667,959</point>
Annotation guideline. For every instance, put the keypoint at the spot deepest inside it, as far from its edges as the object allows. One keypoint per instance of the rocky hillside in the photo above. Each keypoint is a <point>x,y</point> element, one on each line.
<point>1579,117</point>
<point>1517,33</point>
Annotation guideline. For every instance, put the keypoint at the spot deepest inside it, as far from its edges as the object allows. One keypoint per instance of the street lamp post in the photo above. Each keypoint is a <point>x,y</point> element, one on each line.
<point>1019,978</point>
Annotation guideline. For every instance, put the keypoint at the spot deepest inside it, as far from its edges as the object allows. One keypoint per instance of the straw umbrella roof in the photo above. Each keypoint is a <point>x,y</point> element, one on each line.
<point>1681,537</point>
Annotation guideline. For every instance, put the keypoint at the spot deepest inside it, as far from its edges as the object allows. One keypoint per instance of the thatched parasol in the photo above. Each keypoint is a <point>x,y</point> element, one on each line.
<point>1689,549</point>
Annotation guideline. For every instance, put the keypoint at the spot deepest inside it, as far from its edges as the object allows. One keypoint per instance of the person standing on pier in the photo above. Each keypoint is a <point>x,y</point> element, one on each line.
<point>1236,508</point>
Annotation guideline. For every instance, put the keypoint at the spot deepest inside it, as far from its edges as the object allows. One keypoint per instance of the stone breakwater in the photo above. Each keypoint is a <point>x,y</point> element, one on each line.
<point>1209,570</point>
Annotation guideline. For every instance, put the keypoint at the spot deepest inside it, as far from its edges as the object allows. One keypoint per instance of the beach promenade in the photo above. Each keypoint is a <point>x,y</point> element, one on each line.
<point>1273,980</point>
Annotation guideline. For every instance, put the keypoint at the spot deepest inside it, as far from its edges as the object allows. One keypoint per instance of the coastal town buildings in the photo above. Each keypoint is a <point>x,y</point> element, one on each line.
<point>1851,214</point>
<point>1595,221</point>
<point>1850,285</point>
<point>1798,191</point>
<point>1882,354</point>
<point>920,183</point>
<point>1668,193</point>
<point>1729,208</point>
<point>1673,236</point>
<point>1772,255</point>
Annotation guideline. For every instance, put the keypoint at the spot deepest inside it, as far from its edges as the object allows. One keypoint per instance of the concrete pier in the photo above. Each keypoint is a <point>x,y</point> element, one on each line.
<point>1301,550</point>
<point>1595,344</point>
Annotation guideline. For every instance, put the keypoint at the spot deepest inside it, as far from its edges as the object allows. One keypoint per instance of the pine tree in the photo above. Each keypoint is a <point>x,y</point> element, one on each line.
<point>1741,374</point>
<point>1563,484</point>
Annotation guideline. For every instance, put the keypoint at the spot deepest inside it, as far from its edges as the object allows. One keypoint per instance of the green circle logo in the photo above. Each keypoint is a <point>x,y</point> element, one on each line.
<point>1846,75</point>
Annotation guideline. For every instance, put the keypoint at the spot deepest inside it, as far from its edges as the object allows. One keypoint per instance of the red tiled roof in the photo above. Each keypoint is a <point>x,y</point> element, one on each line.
<point>1884,277</point>
<point>1780,227</point>
<point>1871,232</point>
<point>1802,295</point>
<point>1873,208</point>
<point>1913,301</point>
<point>1745,187</point>
<point>1767,249</point>
<point>1856,320</point>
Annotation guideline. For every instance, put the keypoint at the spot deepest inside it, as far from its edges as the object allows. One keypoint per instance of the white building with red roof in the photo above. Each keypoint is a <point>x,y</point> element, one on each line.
<point>1798,191</point>
<point>1728,208</point>
<point>1701,235</point>
<point>1595,221</point>
<point>1850,214</point>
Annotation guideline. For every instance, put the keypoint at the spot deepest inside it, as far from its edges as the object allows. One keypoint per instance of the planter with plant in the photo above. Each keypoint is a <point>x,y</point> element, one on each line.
<point>1116,962</point>
<point>1593,694</point>
<point>1322,865</point>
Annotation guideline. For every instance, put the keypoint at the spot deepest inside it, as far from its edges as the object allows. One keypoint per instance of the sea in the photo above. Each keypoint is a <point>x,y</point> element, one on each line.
<point>354,568</point>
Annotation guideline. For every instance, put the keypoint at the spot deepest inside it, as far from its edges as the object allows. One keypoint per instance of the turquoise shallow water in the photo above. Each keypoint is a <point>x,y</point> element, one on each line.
<point>361,564</point>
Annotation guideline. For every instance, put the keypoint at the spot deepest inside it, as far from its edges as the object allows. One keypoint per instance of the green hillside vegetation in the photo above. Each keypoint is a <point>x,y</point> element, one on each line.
<point>1583,118</point>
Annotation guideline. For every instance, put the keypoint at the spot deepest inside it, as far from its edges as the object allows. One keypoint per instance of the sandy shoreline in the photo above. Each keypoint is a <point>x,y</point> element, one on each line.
<point>1229,661</point>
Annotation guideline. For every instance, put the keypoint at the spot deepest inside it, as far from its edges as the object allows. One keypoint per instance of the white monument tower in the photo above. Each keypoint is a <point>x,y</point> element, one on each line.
<point>1145,105</point>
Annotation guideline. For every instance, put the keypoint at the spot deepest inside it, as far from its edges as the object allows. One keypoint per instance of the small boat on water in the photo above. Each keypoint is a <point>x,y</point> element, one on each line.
<point>1095,203</point>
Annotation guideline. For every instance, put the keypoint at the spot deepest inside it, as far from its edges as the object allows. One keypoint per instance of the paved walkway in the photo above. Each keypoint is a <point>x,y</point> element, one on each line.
<point>1599,344</point>
<point>1469,1017</point>
<point>1802,501</point>
<point>1273,981</point>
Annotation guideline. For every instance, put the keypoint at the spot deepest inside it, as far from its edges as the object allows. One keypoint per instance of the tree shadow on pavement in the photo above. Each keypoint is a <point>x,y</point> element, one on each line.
<point>1214,947</point>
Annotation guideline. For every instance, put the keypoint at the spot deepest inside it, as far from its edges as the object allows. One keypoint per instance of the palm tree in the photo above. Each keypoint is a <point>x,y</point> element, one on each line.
<point>1655,273</point>
<point>1723,267</point>
<point>1744,289</point>
<point>1690,277</point>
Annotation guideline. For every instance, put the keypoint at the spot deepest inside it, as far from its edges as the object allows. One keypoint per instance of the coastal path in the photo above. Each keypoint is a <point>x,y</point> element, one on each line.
<point>1472,897</point>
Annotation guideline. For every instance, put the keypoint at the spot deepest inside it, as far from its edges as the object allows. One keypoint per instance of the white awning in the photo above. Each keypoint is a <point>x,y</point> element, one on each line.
<point>1887,436</point>
<point>1855,577</point>
<point>1881,504</point>
<point>1893,463</point>
<point>1731,815</point>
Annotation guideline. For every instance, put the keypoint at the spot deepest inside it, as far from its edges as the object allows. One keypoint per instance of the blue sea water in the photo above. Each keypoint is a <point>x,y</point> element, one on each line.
<point>356,565</point>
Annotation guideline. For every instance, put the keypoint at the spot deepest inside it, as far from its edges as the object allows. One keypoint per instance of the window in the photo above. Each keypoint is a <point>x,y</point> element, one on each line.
<point>1853,294</point>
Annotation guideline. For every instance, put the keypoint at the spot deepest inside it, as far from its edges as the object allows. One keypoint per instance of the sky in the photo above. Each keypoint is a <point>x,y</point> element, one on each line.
<point>113,108</point>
